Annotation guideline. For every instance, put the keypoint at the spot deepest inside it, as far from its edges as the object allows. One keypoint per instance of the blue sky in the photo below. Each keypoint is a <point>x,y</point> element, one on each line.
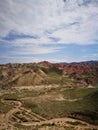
<point>52,30</point>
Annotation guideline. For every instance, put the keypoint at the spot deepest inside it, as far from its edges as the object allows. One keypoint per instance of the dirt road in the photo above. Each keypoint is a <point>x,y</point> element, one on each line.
<point>57,121</point>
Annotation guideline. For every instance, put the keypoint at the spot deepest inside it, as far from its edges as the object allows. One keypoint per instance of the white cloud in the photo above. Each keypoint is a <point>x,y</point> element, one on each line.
<point>7,59</point>
<point>52,21</point>
<point>35,49</point>
<point>55,16</point>
<point>11,59</point>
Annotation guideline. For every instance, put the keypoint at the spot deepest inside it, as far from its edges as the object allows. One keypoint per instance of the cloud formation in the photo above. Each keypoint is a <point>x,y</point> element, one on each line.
<point>30,25</point>
<point>70,21</point>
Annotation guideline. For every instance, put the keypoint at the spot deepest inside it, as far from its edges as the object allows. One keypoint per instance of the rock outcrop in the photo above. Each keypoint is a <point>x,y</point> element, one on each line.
<point>85,73</point>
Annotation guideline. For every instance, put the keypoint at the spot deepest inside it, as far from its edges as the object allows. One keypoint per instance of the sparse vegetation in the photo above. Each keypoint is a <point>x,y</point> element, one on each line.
<point>54,76</point>
<point>64,93</point>
<point>76,93</point>
<point>75,123</point>
<point>19,95</point>
<point>4,108</point>
<point>55,108</point>
<point>21,127</point>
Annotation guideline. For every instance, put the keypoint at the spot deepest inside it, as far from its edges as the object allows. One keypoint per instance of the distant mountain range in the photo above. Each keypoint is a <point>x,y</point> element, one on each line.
<point>80,74</point>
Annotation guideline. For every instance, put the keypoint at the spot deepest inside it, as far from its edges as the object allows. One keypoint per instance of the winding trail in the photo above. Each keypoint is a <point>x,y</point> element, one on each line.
<point>57,121</point>
<point>18,108</point>
<point>62,122</point>
<point>15,109</point>
<point>5,122</point>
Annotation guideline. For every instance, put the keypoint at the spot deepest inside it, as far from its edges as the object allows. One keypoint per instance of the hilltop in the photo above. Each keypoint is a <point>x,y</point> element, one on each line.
<point>69,74</point>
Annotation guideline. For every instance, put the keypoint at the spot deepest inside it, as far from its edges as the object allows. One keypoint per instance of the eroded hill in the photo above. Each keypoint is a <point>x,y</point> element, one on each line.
<point>72,74</point>
<point>46,96</point>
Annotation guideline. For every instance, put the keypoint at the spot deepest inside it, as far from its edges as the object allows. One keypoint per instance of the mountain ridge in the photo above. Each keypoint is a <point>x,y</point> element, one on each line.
<point>82,73</point>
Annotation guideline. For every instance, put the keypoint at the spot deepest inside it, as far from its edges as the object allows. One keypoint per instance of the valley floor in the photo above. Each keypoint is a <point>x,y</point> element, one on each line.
<point>37,108</point>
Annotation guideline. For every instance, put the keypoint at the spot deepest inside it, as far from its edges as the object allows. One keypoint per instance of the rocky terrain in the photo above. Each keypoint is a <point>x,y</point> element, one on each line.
<point>49,96</point>
<point>80,74</point>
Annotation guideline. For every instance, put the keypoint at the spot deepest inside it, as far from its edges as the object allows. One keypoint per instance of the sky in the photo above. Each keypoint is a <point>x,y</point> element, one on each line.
<point>48,30</point>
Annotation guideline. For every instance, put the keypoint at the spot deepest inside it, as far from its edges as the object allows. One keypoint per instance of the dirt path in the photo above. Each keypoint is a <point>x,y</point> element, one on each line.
<point>34,114</point>
<point>5,122</point>
<point>62,122</point>
<point>15,109</point>
<point>57,121</point>
<point>37,87</point>
<point>18,107</point>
